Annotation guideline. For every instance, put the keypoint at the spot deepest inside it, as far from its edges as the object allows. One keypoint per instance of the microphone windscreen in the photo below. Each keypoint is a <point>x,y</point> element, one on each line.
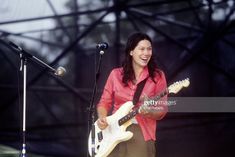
<point>60,71</point>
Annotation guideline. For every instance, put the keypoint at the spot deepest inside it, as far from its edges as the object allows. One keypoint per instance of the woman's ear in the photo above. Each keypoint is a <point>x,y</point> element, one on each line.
<point>131,53</point>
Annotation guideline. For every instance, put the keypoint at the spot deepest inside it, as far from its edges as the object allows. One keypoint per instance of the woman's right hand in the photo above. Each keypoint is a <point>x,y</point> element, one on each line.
<point>102,123</point>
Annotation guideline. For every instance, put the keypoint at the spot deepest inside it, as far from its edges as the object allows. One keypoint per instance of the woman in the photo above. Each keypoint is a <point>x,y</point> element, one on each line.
<point>120,88</point>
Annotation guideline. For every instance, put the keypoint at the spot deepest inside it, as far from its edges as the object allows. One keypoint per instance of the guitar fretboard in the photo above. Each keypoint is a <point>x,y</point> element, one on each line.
<point>162,94</point>
<point>136,110</point>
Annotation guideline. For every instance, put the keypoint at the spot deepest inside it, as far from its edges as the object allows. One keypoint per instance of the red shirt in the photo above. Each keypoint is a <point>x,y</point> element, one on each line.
<point>116,93</point>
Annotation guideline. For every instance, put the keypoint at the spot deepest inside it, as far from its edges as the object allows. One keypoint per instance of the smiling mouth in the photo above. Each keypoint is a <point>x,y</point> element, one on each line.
<point>144,59</point>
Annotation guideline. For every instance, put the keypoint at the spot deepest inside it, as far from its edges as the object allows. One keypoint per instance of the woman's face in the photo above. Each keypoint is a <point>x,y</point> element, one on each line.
<point>141,54</point>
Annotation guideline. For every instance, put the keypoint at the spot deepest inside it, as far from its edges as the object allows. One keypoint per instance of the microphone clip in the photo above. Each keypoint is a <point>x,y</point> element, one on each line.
<point>101,47</point>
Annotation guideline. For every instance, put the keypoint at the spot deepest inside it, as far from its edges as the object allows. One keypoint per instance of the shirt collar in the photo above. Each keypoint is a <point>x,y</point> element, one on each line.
<point>144,74</point>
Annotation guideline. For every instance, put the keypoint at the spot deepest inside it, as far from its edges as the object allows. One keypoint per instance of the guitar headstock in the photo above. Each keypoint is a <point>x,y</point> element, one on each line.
<point>177,86</point>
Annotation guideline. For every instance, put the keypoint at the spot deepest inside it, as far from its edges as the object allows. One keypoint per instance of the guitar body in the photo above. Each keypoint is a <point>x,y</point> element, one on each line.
<point>113,134</point>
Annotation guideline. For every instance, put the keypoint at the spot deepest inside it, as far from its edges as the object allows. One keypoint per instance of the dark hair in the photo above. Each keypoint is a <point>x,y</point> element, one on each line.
<point>128,72</point>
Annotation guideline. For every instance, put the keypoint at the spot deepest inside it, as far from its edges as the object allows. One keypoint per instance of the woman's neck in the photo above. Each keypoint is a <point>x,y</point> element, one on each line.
<point>137,71</point>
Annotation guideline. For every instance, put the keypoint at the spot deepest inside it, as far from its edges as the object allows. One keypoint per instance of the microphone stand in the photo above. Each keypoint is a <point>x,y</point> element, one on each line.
<point>92,106</point>
<point>24,57</point>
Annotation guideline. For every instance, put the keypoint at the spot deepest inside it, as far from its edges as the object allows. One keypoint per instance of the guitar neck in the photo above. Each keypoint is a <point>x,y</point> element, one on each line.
<point>128,116</point>
<point>136,110</point>
<point>162,94</point>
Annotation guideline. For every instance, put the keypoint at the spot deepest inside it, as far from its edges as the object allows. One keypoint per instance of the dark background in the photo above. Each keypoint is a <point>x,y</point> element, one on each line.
<point>192,39</point>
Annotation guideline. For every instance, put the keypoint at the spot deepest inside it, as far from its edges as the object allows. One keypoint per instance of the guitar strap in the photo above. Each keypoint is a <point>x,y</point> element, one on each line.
<point>138,91</point>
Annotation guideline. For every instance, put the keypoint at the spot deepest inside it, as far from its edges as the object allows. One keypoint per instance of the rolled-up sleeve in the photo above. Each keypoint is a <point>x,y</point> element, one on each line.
<point>107,95</point>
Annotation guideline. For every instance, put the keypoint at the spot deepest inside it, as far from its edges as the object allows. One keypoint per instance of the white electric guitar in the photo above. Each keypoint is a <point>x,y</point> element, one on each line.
<point>105,141</point>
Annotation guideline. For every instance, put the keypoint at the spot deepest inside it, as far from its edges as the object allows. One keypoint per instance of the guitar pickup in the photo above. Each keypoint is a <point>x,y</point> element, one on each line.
<point>100,136</point>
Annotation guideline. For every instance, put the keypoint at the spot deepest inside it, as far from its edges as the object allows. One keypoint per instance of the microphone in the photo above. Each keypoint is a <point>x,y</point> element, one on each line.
<point>60,71</point>
<point>102,46</point>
